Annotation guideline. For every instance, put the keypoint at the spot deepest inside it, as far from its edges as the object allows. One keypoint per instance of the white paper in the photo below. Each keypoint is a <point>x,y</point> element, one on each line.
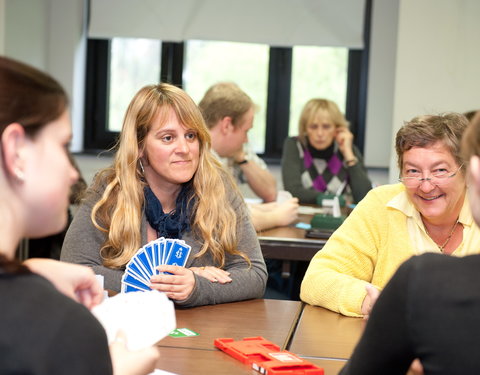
<point>283,196</point>
<point>144,317</point>
<point>253,200</point>
<point>161,372</point>
<point>308,210</point>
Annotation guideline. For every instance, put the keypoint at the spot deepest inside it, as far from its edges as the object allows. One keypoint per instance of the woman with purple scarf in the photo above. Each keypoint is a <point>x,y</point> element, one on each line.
<point>323,161</point>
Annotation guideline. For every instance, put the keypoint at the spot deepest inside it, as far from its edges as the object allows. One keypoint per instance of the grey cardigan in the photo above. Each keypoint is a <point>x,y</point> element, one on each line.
<point>83,242</point>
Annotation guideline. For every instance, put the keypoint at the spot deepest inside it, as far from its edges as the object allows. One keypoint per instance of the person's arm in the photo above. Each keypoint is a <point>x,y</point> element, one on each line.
<point>292,169</point>
<point>338,273</point>
<point>248,281</point>
<point>385,346</point>
<point>82,245</point>
<point>256,174</point>
<point>271,215</point>
<point>359,181</point>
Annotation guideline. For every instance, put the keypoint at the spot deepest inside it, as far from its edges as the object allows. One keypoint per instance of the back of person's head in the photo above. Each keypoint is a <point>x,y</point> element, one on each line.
<point>313,107</point>
<point>424,131</point>
<point>471,114</point>
<point>224,99</point>
<point>28,96</point>
<point>471,155</point>
<point>471,139</point>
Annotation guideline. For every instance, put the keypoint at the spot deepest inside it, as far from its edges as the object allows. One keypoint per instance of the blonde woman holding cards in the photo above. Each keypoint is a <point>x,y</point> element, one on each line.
<point>165,182</point>
<point>40,298</point>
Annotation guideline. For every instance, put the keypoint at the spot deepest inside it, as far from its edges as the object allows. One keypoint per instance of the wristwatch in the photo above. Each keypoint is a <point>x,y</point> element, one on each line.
<point>244,161</point>
<point>350,163</point>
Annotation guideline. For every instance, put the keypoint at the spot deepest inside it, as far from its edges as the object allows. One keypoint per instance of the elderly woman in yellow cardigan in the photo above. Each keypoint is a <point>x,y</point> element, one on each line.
<point>427,211</point>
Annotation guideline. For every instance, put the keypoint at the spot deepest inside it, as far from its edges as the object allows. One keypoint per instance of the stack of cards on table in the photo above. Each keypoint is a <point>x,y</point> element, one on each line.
<point>144,263</point>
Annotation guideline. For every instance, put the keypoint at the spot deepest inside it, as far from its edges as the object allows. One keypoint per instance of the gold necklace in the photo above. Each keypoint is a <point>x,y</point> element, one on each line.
<point>442,247</point>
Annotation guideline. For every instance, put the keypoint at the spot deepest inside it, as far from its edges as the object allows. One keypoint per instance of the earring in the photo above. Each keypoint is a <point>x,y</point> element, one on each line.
<point>141,166</point>
<point>19,174</point>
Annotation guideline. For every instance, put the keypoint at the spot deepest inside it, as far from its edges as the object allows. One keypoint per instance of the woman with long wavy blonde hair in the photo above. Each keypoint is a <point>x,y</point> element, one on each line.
<point>165,182</point>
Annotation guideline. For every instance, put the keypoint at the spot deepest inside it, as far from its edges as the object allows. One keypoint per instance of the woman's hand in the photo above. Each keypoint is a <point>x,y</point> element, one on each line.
<point>370,299</point>
<point>177,286</point>
<point>127,362</point>
<point>344,140</point>
<point>213,274</point>
<point>75,281</point>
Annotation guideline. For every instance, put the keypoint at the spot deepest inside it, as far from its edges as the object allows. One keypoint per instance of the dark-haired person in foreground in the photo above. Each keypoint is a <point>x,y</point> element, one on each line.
<point>44,332</point>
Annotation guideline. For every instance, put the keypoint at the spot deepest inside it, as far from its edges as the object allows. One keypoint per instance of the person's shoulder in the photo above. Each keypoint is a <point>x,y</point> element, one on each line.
<point>386,192</point>
<point>291,140</point>
<point>435,268</point>
<point>32,291</point>
<point>381,195</point>
<point>434,278</point>
<point>429,262</point>
<point>291,148</point>
<point>31,282</point>
<point>231,188</point>
<point>59,323</point>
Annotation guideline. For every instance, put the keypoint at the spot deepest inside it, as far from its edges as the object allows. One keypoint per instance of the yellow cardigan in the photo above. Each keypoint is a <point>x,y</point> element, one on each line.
<point>368,247</point>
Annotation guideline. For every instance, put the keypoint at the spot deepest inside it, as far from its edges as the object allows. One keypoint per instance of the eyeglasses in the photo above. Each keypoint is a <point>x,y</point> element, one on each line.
<point>437,178</point>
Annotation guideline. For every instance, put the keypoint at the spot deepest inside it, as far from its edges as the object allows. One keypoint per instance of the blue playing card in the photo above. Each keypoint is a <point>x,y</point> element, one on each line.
<point>158,253</point>
<point>178,254</point>
<point>142,261</point>
<point>128,288</point>
<point>136,270</point>
<point>149,250</point>
<point>166,251</point>
<point>132,281</point>
<point>129,271</point>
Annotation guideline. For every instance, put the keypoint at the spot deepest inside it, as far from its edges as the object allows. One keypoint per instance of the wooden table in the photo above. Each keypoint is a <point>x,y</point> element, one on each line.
<point>184,361</point>
<point>318,335</point>
<point>330,366</point>
<point>275,320</point>
<point>201,362</point>
<point>289,242</point>
<point>321,333</point>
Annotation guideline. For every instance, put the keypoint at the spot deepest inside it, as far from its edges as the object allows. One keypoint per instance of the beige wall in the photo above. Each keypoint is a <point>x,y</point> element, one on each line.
<point>381,75</point>
<point>437,57</point>
<point>2,28</point>
<point>49,34</point>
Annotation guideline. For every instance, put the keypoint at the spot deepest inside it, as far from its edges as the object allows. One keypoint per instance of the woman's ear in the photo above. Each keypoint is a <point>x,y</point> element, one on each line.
<point>474,171</point>
<point>13,146</point>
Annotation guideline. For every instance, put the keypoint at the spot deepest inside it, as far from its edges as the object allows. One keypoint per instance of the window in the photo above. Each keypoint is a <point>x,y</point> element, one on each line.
<point>317,72</point>
<point>279,80</point>
<point>134,63</point>
<point>246,64</point>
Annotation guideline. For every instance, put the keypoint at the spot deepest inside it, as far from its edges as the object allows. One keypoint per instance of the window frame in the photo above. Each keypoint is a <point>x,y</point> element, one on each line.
<point>98,138</point>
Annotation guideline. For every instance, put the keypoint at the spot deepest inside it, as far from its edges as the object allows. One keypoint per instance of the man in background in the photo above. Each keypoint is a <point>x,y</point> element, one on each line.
<point>229,114</point>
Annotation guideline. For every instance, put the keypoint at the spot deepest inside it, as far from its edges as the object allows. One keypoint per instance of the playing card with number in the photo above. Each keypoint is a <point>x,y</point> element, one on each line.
<point>144,263</point>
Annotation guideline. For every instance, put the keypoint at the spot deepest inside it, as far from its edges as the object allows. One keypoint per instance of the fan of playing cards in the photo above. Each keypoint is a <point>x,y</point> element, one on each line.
<point>144,263</point>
